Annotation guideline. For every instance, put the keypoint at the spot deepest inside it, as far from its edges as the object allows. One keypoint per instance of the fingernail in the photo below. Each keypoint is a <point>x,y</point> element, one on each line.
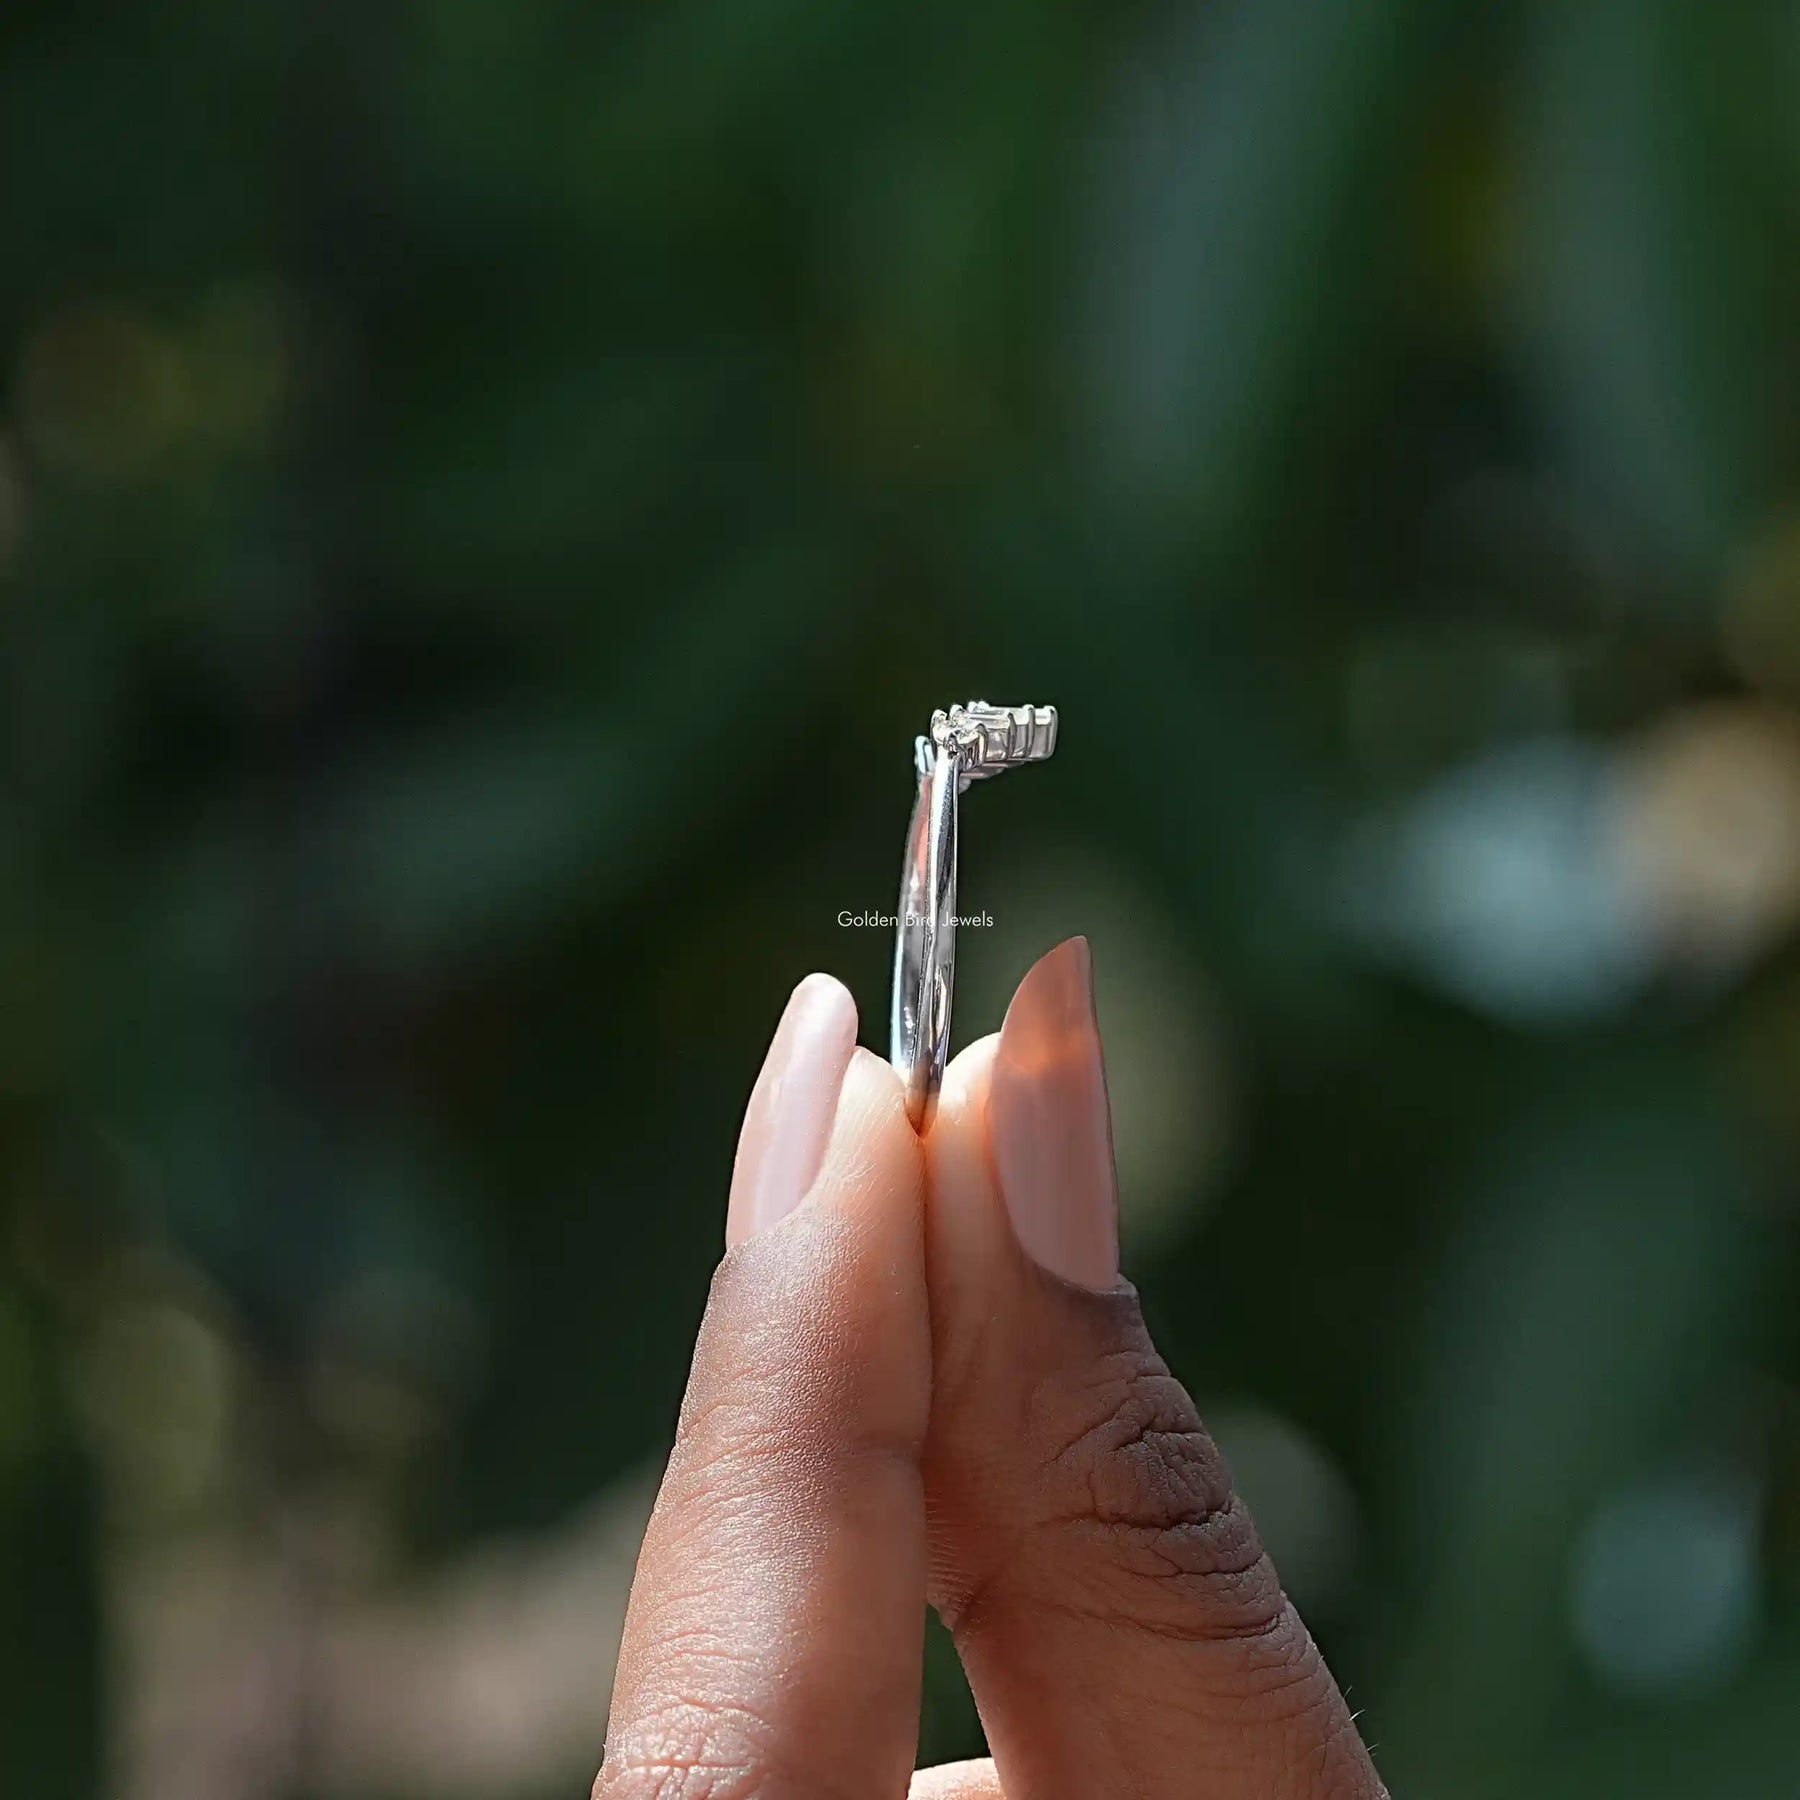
<point>788,1122</point>
<point>1051,1122</point>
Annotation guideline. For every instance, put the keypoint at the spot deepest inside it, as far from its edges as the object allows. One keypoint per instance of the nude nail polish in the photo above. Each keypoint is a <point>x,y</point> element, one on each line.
<point>1051,1123</point>
<point>788,1122</point>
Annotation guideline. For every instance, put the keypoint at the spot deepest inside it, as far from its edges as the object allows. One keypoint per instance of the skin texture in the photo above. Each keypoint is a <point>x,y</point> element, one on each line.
<point>893,1400</point>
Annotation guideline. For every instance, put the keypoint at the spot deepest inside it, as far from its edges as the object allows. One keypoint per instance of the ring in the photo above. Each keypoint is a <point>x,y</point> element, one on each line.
<point>966,744</point>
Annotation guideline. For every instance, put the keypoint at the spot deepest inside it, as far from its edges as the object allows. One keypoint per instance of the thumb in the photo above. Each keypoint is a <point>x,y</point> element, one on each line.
<point>1123,1631</point>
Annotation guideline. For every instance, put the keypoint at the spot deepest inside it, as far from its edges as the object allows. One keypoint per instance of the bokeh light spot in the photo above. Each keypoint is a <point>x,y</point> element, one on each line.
<point>102,392</point>
<point>1665,1586</point>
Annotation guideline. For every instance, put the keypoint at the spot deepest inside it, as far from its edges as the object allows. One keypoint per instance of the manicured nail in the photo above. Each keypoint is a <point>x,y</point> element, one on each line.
<point>788,1122</point>
<point>1051,1122</point>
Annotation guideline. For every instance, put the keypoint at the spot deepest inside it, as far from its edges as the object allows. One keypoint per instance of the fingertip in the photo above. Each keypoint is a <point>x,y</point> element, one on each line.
<point>957,1150</point>
<point>963,1096</point>
<point>821,989</point>
<point>957,1781</point>
<point>879,1081</point>
<point>873,1103</point>
<point>969,1248</point>
<point>1050,1122</point>
<point>872,1153</point>
<point>788,1122</point>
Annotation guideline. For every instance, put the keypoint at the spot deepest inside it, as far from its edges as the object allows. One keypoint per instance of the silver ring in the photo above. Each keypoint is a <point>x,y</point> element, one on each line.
<point>966,744</point>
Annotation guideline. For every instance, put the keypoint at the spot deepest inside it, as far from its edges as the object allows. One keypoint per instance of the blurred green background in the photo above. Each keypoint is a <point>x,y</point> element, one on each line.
<point>487,496</point>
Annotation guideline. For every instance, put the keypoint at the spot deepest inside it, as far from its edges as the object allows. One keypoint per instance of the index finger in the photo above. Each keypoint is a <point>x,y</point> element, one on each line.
<point>773,1641</point>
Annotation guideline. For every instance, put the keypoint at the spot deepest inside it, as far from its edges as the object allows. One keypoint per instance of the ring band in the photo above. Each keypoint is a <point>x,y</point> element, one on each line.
<point>966,744</point>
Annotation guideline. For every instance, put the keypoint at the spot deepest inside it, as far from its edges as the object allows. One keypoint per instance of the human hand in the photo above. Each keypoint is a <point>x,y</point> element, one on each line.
<point>920,1377</point>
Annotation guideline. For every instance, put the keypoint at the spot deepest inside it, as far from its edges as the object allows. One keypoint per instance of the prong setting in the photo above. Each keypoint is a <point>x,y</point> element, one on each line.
<point>988,740</point>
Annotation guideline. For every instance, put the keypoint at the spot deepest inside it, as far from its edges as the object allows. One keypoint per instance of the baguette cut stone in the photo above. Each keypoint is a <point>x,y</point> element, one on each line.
<point>990,739</point>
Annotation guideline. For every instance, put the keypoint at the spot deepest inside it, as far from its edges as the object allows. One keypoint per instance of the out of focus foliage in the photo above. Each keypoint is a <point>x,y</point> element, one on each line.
<point>487,495</point>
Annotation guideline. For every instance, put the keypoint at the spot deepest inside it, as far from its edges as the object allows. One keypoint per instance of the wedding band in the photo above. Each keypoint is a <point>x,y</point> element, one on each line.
<point>966,744</point>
